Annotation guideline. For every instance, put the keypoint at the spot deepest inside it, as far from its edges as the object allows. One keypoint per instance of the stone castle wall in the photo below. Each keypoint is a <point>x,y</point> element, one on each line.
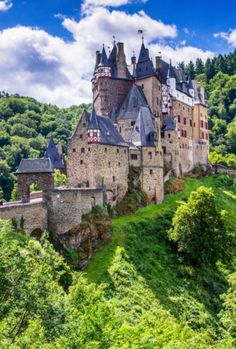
<point>152,90</point>
<point>34,215</point>
<point>110,93</point>
<point>200,153</point>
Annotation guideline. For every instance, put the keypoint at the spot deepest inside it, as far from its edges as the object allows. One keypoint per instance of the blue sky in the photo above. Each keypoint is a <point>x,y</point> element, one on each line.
<point>59,38</point>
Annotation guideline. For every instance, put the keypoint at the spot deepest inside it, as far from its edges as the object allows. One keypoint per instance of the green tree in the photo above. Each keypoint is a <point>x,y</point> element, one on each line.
<point>6,179</point>
<point>199,66</point>
<point>60,179</point>
<point>199,230</point>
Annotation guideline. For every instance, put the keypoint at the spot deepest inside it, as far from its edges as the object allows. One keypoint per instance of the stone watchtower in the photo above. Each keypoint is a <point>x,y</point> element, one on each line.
<point>39,171</point>
<point>111,81</point>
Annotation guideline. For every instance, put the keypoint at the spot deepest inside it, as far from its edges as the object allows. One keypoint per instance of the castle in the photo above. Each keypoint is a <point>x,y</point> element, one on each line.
<point>146,116</point>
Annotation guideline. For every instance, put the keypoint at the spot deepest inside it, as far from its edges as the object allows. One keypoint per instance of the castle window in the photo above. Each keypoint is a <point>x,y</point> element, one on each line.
<point>194,124</point>
<point>183,108</point>
<point>206,124</point>
<point>109,164</point>
<point>140,70</point>
<point>120,129</point>
<point>191,123</point>
<point>134,157</point>
<point>164,150</point>
<point>132,123</point>
<point>151,172</point>
<point>84,124</point>
<point>105,150</point>
<point>179,118</point>
<point>169,135</point>
<point>88,149</point>
<point>185,121</point>
<point>82,150</point>
<point>117,150</point>
<point>81,162</point>
<point>146,68</point>
<point>114,178</point>
<point>149,188</point>
<point>74,150</point>
<point>143,86</point>
<point>125,151</point>
<point>150,155</point>
<point>157,100</point>
<point>202,123</point>
<point>119,164</point>
<point>81,136</point>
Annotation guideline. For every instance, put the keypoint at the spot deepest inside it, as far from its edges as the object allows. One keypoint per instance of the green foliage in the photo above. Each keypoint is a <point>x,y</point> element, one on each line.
<point>199,230</point>
<point>60,179</point>
<point>25,127</point>
<point>134,293</point>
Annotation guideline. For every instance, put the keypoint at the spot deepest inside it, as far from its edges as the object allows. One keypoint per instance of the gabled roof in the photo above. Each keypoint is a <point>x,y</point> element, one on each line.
<point>35,166</point>
<point>132,103</point>
<point>93,124</point>
<point>170,124</point>
<point>144,129</point>
<point>54,155</point>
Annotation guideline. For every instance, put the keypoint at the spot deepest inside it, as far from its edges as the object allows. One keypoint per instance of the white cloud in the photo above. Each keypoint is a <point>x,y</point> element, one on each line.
<point>230,37</point>
<point>5,5</point>
<point>90,5</point>
<point>53,70</point>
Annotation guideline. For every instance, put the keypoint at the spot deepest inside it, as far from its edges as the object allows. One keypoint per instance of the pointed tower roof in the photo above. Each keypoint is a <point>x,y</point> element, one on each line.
<point>53,154</point>
<point>145,65</point>
<point>112,61</point>
<point>132,103</point>
<point>171,72</point>
<point>104,61</point>
<point>144,129</point>
<point>93,123</point>
<point>143,55</point>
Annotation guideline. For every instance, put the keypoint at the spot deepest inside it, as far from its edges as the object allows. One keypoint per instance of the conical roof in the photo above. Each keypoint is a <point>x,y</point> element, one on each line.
<point>104,61</point>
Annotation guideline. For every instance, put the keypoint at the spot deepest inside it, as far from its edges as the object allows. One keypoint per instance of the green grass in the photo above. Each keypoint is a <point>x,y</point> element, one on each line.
<point>145,280</point>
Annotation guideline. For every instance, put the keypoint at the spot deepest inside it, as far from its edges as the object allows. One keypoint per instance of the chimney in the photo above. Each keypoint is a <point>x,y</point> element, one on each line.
<point>158,63</point>
<point>98,57</point>
<point>121,61</point>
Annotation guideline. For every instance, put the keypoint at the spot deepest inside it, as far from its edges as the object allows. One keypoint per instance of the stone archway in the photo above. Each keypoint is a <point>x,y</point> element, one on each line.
<point>35,171</point>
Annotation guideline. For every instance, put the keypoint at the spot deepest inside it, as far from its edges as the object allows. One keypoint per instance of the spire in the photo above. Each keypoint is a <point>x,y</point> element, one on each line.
<point>93,124</point>
<point>144,54</point>
<point>171,72</point>
<point>104,61</point>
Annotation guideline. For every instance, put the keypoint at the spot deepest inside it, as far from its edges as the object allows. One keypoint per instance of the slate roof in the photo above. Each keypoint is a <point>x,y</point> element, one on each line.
<point>199,97</point>
<point>145,65</point>
<point>112,61</point>
<point>170,124</point>
<point>93,124</point>
<point>108,133</point>
<point>144,129</point>
<point>43,165</point>
<point>104,60</point>
<point>54,155</point>
<point>132,103</point>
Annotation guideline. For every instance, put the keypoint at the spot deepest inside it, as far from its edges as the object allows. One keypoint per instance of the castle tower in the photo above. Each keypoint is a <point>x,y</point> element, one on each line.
<point>148,78</point>
<point>111,80</point>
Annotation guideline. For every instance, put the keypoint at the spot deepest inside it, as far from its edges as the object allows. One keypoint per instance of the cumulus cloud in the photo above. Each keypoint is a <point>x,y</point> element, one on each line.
<point>53,70</point>
<point>90,5</point>
<point>230,37</point>
<point>5,5</point>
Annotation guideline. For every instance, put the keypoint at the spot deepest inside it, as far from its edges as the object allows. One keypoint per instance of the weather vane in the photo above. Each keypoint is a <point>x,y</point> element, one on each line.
<point>141,31</point>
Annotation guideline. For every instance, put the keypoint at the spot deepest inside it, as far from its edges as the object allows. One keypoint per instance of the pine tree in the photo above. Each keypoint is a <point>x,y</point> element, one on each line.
<point>199,66</point>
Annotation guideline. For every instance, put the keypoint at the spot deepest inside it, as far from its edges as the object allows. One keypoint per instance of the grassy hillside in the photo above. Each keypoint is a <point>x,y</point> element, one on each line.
<point>136,292</point>
<point>161,301</point>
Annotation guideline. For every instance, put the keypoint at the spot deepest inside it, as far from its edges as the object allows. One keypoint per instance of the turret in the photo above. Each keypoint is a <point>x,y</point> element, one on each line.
<point>104,69</point>
<point>93,129</point>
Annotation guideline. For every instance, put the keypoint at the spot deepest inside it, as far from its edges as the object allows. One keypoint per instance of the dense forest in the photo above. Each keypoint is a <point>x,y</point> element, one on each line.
<point>25,128</point>
<point>151,287</point>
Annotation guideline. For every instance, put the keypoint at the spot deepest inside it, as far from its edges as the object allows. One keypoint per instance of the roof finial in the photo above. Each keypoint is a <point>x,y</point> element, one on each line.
<point>140,31</point>
<point>114,40</point>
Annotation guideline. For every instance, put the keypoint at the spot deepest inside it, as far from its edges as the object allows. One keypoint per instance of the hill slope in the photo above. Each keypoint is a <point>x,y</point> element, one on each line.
<point>134,294</point>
